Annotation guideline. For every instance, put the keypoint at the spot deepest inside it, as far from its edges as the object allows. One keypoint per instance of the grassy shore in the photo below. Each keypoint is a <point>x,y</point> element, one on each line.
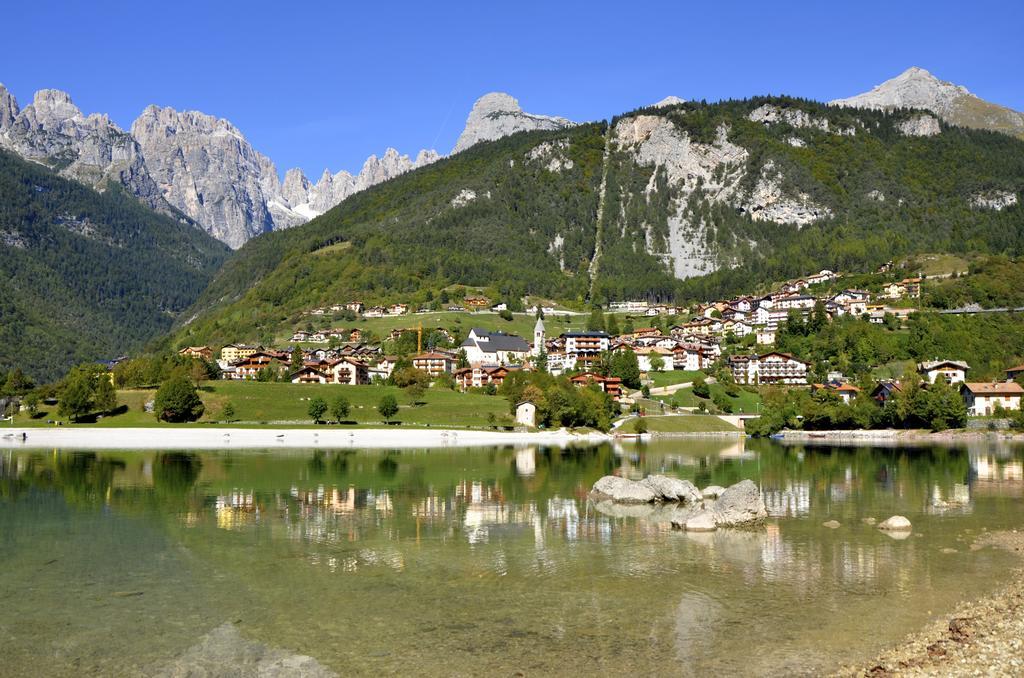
<point>257,403</point>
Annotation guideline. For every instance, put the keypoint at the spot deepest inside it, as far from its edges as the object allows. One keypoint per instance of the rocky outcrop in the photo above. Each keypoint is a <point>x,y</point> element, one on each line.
<point>994,200</point>
<point>90,149</point>
<point>768,202</point>
<point>672,489</point>
<point>713,491</point>
<point>716,170</point>
<point>741,505</point>
<point>917,88</point>
<point>920,126</point>
<point>205,167</point>
<point>553,155</point>
<point>769,114</point>
<point>497,115</point>
<point>700,522</point>
<point>622,490</point>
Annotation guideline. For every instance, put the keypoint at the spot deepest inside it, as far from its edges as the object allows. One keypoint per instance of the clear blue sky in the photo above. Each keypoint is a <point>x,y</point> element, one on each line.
<point>326,86</point>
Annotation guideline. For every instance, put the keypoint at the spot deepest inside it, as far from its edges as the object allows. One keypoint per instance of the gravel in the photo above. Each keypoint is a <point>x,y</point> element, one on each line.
<point>980,638</point>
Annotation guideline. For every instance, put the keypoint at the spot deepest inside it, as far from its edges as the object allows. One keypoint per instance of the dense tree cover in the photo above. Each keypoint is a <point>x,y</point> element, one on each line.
<point>991,282</point>
<point>937,407</point>
<point>150,369</point>
<point>87,276</point>
<point>86,390</point>
<point>558,401</point>
<point>177,400</point>
<point>988,342</point>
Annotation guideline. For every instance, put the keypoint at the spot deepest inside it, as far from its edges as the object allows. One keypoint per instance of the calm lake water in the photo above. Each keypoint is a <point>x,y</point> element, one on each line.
<point>466,562</point>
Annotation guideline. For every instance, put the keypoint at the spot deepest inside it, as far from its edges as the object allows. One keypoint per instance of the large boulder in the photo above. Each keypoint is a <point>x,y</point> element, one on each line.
<point>740,505</point>
<point>895,524</point>
<point>713,491</point>
<point>672,489</point>
<point>623,490</point>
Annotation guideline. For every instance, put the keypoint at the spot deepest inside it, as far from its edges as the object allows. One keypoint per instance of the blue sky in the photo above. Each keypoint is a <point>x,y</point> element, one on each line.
<point>318,86</point>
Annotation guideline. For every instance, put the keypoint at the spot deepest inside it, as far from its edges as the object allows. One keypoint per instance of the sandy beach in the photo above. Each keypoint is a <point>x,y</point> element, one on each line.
<point>70,437</point>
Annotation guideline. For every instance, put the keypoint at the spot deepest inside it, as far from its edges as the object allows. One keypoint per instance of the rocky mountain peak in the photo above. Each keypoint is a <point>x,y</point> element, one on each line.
<point>913,88</point>
<point>917,88</point>
<point>498,114</point>
<point>669,101</point>
<point>8,107</point>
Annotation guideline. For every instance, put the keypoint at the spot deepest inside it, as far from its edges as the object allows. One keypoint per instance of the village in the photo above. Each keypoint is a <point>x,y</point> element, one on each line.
<point>733,338</point>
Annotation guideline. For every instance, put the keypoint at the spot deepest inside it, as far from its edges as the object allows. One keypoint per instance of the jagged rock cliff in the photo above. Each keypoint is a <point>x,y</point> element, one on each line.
<point>205,167</point>
<point>90,149</point>
<point>917,88</point>
<point>496,115</point>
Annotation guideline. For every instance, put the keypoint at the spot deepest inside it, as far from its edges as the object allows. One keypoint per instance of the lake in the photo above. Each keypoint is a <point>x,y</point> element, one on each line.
<point>466,562</point>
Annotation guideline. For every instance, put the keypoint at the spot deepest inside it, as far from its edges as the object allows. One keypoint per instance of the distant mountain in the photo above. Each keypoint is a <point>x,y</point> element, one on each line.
<point>198,167</point>
<point>917,88</point>
<point>497,115</point>
<point>87,275</point>
<point>91,149</point>
<point>673,202</point>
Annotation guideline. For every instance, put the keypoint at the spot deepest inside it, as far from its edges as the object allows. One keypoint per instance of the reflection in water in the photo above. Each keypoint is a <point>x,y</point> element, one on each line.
<point>501,540</point>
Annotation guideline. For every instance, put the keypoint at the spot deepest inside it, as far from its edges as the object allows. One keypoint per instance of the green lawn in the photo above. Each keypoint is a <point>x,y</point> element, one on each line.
<point>659,379</point>
<point>687,423</point>
<point>286,404</point>
<point>745,403</point>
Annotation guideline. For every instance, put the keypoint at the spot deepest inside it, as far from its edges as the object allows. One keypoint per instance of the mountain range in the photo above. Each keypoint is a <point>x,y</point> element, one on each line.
<point>201,168</point>
<point>679,200</point>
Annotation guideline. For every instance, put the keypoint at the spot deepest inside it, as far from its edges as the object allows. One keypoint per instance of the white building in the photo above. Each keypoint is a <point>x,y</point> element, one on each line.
<point>951,371</point>
<point>494,348</point>
<point>982,399</point>
<point>526,414</point>
<point>769,369</point>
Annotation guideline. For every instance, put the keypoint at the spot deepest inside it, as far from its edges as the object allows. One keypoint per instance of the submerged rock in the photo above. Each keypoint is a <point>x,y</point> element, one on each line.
<point>713,491</point>
<point>868,521</point>
<point>672,489</point>
<point>895,524</point>
<point>740,505</point>
<point>224,652</point>
<point>831,524</point>
<point>700,522</point>
<point>623,490</point>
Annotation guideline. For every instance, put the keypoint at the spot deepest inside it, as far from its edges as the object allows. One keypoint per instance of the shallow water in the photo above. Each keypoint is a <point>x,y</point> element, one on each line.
<point>463,562</point>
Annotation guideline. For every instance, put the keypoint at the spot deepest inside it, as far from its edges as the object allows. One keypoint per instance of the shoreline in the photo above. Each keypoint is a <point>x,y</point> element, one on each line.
<point>896,436</point>
<point>70,437</point>
<point>984,636</point>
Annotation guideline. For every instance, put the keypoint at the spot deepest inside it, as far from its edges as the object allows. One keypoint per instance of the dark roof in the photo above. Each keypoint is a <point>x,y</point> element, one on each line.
<point>499,341</point>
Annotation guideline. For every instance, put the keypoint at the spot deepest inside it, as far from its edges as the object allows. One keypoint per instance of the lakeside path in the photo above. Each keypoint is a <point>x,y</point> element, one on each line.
<point>197,438</point>
<point>979,638</point>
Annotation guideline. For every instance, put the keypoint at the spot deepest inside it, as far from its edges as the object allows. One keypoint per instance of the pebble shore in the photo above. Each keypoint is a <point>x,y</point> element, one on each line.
<point>979,638</point>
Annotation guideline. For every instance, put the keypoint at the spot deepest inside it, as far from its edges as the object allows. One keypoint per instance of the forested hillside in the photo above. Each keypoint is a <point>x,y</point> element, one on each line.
<point>85,275</point>
<point>678,203</point>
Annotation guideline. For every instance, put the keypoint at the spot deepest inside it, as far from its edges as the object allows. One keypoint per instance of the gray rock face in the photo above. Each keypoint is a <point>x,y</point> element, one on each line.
<point>713,491</point>
<point>994,200</point>
<point>224,652</point>
<point>917,88</point>
<point>497,115</point>
<point>920,126</point>
<point>740,505</point>
<point>895,524</point>
<point>90,149</point>
<point>623,490</point>
<point>672,489</point>
<point>205,167</point>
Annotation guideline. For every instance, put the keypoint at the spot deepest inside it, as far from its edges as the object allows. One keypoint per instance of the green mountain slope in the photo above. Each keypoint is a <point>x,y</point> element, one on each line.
<point>683,202</point>
<point>88,276</point>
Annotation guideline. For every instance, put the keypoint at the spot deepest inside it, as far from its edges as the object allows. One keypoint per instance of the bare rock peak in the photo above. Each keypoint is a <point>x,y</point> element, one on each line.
<point>669,101</point>
<point>496,115</point>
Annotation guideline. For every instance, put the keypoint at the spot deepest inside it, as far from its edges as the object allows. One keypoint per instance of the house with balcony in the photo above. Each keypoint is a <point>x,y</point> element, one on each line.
<point>950,371</point>
<point>775,368</point>
<point>985,399</point>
